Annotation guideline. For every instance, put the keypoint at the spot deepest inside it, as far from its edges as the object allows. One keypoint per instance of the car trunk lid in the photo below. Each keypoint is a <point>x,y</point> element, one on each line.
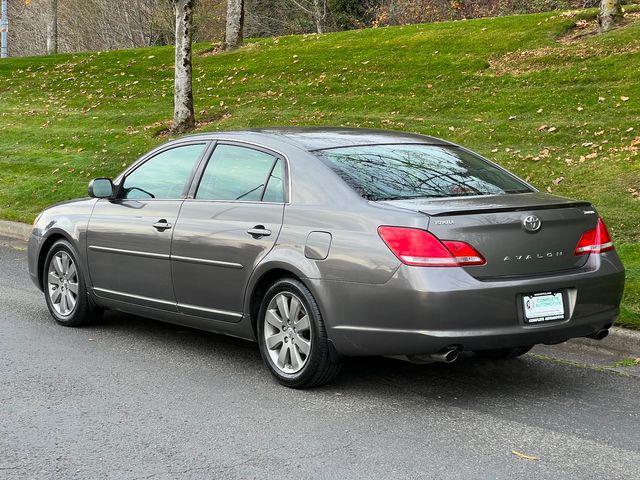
<point>495,226</point>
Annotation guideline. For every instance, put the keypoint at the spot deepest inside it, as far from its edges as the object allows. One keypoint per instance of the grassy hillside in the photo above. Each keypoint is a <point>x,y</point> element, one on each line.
<point>562,113</point>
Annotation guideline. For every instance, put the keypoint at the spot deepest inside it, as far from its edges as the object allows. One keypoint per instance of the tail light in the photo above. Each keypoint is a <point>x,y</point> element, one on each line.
<point>418,247</point>
<point>597,240</point>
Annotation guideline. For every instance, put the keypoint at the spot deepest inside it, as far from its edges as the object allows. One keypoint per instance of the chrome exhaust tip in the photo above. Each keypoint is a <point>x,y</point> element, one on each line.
<point>600,334</point>
<point>447,355</point>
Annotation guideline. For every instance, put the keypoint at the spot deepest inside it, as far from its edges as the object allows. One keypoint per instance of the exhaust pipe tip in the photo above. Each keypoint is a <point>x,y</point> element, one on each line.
<point>447,355</point>
<point>600,334</point>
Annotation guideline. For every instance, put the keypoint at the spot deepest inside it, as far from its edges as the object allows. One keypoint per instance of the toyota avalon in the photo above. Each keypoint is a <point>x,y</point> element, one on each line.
<point>323,243</point>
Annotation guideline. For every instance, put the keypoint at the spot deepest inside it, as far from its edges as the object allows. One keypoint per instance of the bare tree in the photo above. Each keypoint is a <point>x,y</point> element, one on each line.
<point>183,114</point>
<point>235,24</point>
<point>317,9</point>
<point>52,28</point>
<point>610,14</point>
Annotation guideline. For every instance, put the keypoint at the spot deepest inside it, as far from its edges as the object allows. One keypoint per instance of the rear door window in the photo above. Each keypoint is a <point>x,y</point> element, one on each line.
<point>241,174</point>
<point>275,186</point>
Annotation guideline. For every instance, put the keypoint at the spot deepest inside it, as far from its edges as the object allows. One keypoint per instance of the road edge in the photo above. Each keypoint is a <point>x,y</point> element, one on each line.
<point>620,340</point>
<point>15,230</point>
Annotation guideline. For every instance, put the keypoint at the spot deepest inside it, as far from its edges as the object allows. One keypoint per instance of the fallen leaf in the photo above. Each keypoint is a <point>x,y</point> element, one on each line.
<point>601,99</point>
<point>552,129</point>
<point>512,117</point>
<point>558,180</point>
<point>624,99</point>
<point>524,456</point>
<point>542,127</point>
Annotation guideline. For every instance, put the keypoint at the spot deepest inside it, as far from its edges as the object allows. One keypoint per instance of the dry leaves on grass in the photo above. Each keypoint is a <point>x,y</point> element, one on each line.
<point>554,57</point>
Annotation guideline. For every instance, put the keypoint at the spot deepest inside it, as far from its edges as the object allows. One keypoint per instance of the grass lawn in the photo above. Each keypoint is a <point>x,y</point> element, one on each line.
<point>562,114</point>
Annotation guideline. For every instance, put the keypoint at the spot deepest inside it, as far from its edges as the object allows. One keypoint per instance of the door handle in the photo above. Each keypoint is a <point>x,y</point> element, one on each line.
<point>259,231</point>
<point>162,225</point>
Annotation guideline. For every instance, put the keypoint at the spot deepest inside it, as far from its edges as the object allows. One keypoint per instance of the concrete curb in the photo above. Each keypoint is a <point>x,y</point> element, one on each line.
<point>15,230</point>
<point>620,340</point>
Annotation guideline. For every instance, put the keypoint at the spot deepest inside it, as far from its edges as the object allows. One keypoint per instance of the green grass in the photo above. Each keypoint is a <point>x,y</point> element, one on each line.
<point>490,84</point>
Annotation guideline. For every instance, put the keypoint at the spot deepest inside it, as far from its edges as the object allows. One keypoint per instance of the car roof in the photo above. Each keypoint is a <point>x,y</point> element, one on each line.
<point>320,138</point>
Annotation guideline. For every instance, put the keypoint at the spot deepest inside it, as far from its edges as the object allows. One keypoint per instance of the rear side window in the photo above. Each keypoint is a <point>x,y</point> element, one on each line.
<point>393,172</point>
<point>238,173</point>
<point>275,186</point>
<point>164,176</point>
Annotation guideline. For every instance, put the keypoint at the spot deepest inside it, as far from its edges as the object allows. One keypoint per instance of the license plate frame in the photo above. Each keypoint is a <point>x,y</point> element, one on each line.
<point>543,307</point>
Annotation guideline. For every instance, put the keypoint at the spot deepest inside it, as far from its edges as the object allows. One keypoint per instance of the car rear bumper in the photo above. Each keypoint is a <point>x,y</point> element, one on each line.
<point>424,310</point>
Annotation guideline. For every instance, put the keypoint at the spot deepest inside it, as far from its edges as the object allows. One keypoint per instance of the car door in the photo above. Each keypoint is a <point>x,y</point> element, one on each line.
<point>129,237</point>
<point>224,231</point>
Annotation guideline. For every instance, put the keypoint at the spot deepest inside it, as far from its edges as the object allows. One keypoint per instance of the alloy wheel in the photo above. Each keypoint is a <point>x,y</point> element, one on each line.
<point>287,332</point>
<point>62,284</point>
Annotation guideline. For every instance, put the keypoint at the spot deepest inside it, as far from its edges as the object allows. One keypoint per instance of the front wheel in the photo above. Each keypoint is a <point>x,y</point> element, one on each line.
<point>64,287</point>
<point>292,337</point>
<point>503,353</point>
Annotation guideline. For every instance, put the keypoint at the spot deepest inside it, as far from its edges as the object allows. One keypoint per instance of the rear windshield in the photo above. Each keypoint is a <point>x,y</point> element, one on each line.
<point>394,172</point>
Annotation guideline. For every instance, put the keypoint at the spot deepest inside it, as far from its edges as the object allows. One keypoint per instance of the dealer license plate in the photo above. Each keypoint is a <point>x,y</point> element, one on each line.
<point>543,307</point>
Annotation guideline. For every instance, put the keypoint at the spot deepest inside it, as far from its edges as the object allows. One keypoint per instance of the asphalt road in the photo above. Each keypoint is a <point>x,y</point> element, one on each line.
<point>134,398</point>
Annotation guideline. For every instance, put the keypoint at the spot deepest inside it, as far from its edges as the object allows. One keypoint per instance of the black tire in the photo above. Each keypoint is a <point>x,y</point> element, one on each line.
<point>84,312</point>
<point>322,364</point>
<point>503,353</point>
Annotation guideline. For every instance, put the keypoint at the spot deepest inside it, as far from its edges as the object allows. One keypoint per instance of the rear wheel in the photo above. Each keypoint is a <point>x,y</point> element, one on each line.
<point>64,287</point>
<point>292,337</point>
<point>503,353</point>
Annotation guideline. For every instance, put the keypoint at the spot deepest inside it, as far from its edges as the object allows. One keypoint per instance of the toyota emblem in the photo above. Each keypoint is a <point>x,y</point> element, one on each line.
<point>532,223</point>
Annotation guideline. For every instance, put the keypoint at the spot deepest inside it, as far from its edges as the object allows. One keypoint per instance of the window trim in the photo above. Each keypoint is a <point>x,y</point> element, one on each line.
<point>286,184</point>
<point>154,153</point>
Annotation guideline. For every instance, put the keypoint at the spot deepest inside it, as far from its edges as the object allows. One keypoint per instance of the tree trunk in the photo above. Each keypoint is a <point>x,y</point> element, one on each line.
<point>318,14</point>
<point>4,30</point>
<point>183,115</point>
<point>610,14</point>
<point>235,24</point>
<point>52,28</point>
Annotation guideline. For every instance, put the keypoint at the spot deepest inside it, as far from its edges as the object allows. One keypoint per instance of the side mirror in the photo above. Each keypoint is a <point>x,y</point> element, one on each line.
<point>101,188</point>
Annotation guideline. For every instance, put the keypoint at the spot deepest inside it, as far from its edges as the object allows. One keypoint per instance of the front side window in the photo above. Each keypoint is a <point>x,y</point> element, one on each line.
<point>164,176</point>
<point>392,172</point>
<point>239,173</point>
